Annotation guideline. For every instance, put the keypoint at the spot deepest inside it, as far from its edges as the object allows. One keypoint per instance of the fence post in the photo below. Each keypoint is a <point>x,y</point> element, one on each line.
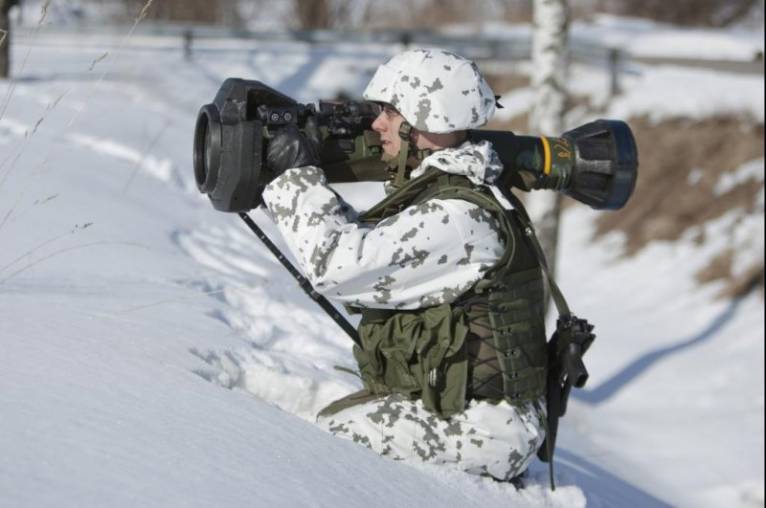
<point>405,39</point>
<point>614,72</point>
<point>188,37</point>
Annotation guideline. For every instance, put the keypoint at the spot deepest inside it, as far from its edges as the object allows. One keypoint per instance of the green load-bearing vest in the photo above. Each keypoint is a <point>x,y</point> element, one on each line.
<point>488,344</point>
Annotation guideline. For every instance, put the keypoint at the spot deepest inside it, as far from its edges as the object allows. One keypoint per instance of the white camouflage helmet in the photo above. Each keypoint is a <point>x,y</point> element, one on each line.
<point>434,90</point>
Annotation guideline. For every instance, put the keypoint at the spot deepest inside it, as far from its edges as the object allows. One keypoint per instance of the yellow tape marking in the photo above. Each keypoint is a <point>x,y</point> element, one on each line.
<point>547,155</point>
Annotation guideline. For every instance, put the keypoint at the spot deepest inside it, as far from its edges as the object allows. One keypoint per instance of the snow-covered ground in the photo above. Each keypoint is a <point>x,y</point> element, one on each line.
<point>155,354</point>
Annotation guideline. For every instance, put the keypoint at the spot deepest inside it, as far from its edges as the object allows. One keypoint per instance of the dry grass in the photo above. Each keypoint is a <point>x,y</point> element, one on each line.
<point>669,200</point>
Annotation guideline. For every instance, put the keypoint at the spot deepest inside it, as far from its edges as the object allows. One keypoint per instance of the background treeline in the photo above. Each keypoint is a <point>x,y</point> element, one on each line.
<point>360,14</point>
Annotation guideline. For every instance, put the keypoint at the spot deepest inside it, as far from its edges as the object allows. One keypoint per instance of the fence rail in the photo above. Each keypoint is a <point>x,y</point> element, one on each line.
<point>515,46</point>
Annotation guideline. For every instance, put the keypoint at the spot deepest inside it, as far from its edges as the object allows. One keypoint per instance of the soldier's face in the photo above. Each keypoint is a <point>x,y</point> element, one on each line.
<point>387,125</point>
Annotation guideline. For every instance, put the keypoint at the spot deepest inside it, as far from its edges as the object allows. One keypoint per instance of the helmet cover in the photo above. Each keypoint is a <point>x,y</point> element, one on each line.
<point>434,90</point>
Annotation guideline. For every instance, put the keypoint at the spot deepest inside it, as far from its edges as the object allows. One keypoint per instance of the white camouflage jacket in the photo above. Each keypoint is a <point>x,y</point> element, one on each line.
<point>427,254</point>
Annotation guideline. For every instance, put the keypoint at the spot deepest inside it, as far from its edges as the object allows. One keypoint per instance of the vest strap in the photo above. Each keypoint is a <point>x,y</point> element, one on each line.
<point>396,201</point>
<point>529,231</point>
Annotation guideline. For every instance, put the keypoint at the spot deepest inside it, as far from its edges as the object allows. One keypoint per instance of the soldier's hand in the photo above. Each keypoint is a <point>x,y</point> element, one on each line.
<point>291,148</point>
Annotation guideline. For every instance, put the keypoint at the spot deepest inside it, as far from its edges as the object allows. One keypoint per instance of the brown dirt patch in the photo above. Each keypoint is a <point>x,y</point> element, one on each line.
<point>668,199</point>
<point>680,163</point>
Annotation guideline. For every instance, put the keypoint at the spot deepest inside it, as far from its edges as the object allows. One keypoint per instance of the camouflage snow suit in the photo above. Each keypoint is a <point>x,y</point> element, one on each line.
<point>424,256</point>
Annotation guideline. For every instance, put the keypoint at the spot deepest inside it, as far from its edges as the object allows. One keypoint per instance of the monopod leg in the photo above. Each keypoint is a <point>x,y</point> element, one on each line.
<point>302,281</point>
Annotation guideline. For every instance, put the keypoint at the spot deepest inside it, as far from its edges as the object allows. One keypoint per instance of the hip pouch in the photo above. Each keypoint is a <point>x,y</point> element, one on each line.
<point>416,353</point>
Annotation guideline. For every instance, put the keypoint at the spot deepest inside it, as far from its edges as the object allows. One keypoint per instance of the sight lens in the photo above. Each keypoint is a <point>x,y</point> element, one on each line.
<point>207,148</point>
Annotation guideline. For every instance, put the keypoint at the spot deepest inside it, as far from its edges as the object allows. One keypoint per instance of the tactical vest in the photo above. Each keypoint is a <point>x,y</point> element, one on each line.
<point>488,344</point>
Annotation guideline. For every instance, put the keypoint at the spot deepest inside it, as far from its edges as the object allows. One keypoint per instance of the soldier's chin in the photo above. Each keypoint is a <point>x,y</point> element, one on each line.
<point>388,154</point>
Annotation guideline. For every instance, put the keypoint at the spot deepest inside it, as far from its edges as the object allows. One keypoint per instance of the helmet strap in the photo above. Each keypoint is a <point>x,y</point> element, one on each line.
<point>405,129</point>
<point>409,157</point>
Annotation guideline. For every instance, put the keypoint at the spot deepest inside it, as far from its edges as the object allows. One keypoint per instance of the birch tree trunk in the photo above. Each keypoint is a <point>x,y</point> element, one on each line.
<point>549,61</point>
<point>313,14</point>
<point>5,39</point>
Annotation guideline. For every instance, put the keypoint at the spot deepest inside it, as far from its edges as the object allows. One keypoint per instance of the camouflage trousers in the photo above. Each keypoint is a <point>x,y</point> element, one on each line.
<point>498,440</point>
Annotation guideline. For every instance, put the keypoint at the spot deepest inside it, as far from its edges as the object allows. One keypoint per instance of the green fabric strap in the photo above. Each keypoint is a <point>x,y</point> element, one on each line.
<point>402,197</point>
<point>529,230</point>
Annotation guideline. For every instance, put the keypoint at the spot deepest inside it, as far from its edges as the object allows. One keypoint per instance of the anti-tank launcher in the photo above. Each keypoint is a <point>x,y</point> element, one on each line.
<point>596,163</point>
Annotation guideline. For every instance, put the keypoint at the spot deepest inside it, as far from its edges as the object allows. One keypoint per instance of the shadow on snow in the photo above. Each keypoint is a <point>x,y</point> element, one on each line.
<point>617,382</point>
<point>602,488</point>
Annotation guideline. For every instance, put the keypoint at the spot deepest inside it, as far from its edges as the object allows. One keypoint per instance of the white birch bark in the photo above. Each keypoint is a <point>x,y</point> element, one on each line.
<point>549,63</point>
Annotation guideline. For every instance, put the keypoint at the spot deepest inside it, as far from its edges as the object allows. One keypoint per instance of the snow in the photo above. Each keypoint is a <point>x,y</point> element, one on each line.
<point>679,401</point>
<point>155,354</point>
<point>666,92</point>
<point>640,37</point>
<point>659,92</point>
<point>647,38</point>
<point>515,103</point>
<point>752,170</point>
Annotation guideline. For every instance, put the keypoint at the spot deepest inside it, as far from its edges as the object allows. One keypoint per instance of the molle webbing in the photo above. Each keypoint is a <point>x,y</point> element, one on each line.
<point>515,313</point>
<point>515,296</point>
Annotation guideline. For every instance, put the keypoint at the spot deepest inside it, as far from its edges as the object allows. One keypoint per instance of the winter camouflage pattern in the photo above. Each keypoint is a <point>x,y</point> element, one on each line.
<point>434,90</point>
<point>487,439</point>
<point>427,254</point>
<point>478,162</point>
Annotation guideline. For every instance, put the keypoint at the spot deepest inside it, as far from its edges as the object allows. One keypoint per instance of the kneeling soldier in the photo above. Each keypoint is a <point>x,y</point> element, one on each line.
<point>449,287</point>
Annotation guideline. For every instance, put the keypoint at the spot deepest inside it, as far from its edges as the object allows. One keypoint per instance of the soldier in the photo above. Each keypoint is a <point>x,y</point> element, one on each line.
<point>453,355</point>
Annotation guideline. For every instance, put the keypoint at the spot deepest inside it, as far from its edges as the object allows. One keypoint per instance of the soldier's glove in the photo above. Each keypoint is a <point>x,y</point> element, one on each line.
<point>291,148</point>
